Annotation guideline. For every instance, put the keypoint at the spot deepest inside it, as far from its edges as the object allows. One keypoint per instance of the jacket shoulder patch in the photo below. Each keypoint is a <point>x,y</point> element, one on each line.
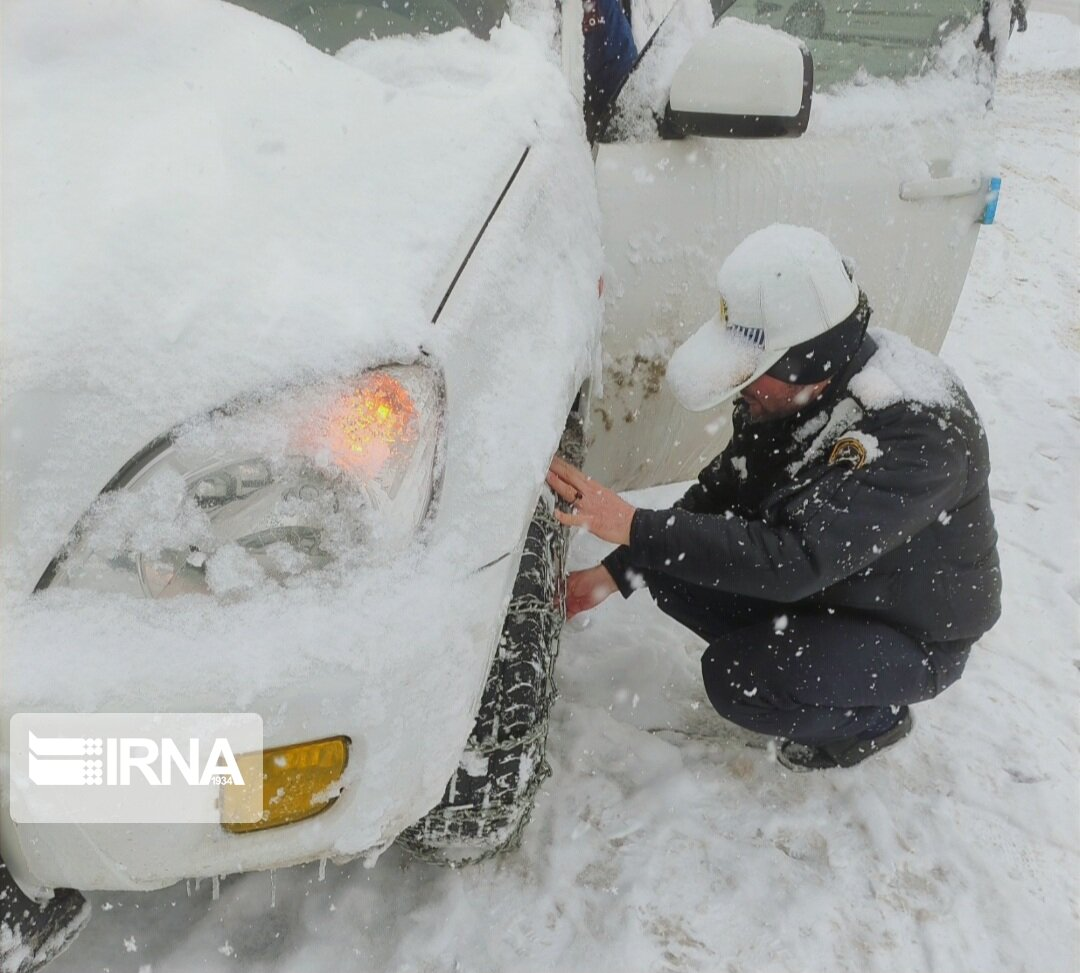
<point>849,452</point>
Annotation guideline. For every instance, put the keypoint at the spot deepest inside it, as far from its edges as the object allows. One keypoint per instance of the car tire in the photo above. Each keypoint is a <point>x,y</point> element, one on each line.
<point>489,800</point>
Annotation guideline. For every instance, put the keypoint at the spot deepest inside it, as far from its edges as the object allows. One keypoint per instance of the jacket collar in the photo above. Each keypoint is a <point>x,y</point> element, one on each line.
<point>838,387</point>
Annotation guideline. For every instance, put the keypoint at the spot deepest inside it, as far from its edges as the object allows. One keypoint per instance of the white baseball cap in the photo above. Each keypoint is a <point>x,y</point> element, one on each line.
<point>782,286</point>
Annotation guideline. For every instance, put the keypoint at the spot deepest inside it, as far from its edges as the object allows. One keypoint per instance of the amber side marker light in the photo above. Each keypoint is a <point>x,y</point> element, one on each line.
<point>298,782</point>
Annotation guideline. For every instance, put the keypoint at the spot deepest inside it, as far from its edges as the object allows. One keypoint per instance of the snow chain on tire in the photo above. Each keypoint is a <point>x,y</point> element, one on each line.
<point>489,799</point>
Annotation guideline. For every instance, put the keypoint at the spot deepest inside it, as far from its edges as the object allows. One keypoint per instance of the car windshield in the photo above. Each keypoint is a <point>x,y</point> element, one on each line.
<point>848,38</point>
<point>331,24</point>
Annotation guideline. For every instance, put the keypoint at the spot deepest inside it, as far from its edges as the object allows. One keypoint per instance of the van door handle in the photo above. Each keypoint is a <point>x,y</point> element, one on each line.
<point>943,188</point>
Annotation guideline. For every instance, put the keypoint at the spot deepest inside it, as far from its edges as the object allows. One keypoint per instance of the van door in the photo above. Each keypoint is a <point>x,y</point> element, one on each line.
<point>891,169</point>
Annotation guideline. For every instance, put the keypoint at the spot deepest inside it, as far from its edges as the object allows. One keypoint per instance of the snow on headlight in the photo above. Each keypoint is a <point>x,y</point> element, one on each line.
<point>268,489</point>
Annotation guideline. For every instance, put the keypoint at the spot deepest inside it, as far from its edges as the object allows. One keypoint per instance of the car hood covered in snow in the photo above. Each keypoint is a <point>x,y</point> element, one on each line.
<point>198,205</point>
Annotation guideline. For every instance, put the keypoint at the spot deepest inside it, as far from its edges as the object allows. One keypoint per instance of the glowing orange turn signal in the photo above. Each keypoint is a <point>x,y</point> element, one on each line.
<point>367,425</point>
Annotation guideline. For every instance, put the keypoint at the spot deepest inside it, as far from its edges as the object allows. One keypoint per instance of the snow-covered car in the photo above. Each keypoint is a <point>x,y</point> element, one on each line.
<point>291,338</point>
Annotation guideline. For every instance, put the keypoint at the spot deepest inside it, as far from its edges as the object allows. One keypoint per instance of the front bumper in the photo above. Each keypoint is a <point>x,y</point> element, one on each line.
<point>406,699</point>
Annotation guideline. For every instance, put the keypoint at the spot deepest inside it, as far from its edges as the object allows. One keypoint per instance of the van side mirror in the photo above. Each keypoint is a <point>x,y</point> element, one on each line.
<point>742,81</point>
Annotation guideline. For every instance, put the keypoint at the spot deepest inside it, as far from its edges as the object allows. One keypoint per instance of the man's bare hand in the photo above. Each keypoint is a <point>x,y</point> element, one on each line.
<point>596,508</point>
<point>586,589</point>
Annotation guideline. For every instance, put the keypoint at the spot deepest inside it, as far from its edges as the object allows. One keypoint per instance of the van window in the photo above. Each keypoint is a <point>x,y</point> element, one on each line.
<point>331,24</point>
<point>881,38</point>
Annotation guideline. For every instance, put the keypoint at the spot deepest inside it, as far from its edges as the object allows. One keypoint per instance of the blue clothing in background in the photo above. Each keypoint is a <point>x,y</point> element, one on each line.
<point>610,54</point>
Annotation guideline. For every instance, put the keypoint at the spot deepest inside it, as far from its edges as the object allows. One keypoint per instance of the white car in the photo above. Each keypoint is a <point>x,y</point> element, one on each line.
<point>290,339</point>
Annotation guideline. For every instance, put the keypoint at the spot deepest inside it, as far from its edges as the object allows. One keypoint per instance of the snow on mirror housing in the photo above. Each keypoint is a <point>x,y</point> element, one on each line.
<point>742,81</point>
<point>267,489</point>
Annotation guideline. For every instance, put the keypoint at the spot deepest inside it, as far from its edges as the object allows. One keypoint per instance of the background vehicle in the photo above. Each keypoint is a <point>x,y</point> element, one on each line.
<point>895,173</point>
<point>229,232</point>
<point>885,38</point>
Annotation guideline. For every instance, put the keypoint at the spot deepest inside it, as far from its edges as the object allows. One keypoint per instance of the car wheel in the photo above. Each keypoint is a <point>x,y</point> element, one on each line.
<point>488,801</point>
<point>805,19</point>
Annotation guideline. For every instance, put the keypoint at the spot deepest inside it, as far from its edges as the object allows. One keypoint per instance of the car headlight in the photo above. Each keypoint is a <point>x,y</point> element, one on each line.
<point>269,487</point>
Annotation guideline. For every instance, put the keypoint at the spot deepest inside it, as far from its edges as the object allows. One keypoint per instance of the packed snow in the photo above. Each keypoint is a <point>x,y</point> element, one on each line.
<point>667,840</point>
<point>897,372</point>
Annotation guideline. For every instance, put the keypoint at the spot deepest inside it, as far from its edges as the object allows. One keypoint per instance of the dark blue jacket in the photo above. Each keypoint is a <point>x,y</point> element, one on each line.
<point>881,510</point>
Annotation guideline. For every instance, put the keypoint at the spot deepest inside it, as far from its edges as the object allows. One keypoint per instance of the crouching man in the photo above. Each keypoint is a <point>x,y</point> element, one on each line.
<point>839,556</point>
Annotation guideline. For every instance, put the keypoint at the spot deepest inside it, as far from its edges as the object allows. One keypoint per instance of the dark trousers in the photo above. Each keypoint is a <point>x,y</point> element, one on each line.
<point>803,672</point>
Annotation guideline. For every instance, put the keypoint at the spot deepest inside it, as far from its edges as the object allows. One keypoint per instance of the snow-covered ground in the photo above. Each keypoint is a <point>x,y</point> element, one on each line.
<point>663,842</point>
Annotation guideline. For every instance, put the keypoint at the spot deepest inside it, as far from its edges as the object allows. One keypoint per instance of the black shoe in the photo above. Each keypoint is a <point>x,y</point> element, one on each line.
<point>32,934</point>
<point>843,753</point>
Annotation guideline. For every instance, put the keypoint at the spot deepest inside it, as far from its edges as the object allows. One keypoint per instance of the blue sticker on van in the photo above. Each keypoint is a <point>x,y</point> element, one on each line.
<point>991,201</point>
